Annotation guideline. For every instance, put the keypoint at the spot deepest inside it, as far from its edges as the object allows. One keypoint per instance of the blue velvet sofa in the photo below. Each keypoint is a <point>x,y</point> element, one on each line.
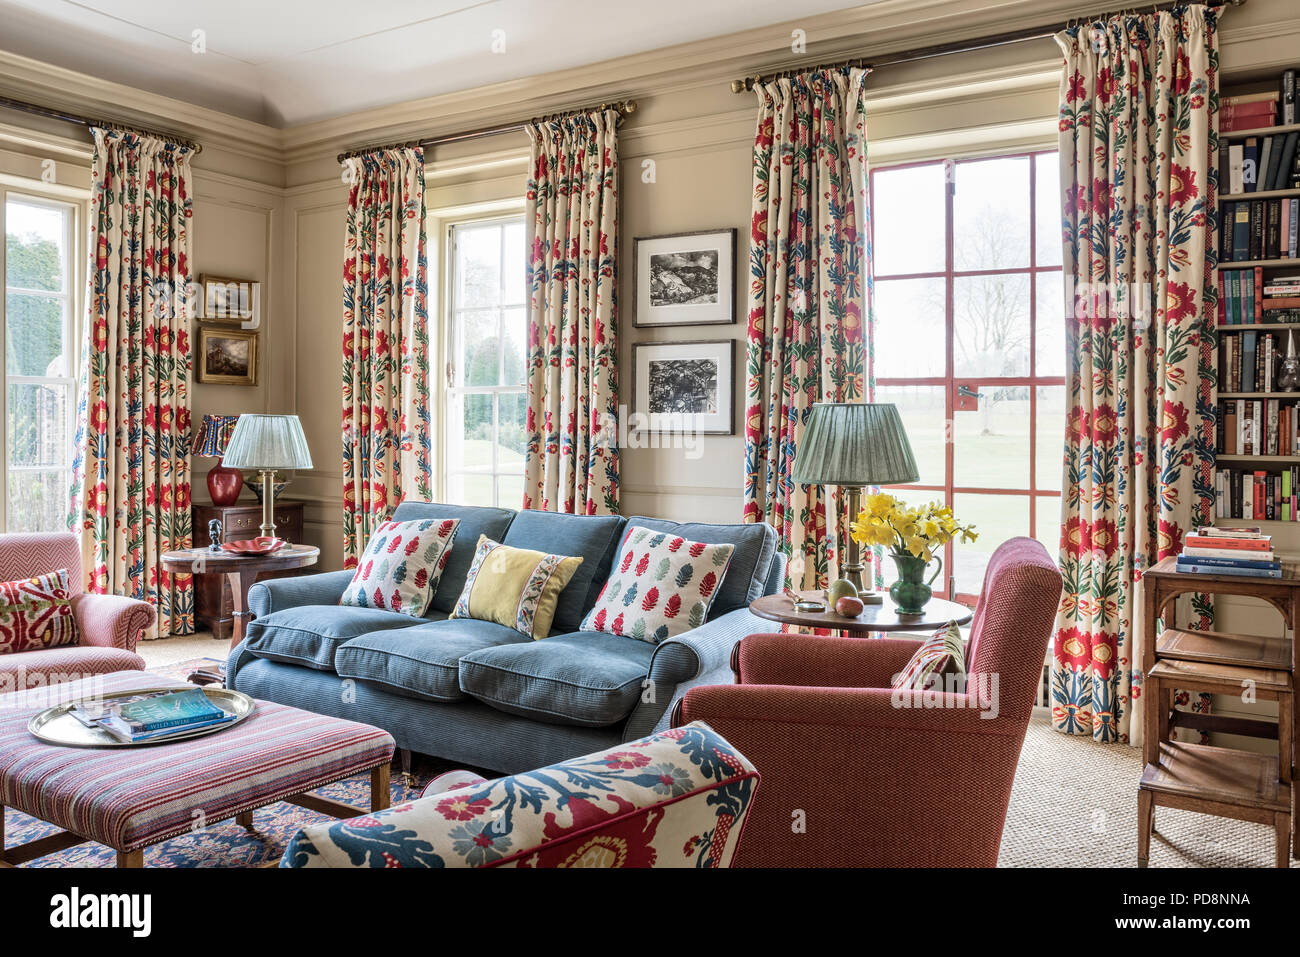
<point>482,694</point>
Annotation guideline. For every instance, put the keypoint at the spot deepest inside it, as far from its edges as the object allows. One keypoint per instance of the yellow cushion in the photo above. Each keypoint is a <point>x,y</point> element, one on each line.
<point>515,587</point>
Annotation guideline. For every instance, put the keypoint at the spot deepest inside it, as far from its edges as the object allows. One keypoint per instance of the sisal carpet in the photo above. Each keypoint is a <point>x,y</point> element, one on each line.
<point>1074,804</point>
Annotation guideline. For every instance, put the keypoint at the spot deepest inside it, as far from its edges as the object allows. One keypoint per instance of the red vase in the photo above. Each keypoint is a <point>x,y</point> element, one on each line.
<point>224,484</point>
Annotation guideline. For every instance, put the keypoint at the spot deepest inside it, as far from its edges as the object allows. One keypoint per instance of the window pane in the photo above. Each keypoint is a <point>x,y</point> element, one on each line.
<point>478,432</point>
<point>996,518</point>
<point>991,214</point>
<point>1049,336</point>
<point>465,489</point>
<point>1048,211</point>
<point>35,241</point>
<point>922,408</point>
<point>34,340</point>
<point>38,501</point>
<point>38,425</point>
<point>908,215</point>
<point>991,325</point>
<point>1047,515</point>
<point>510,491</point>
<point>479,347</point>
<point>516,265</point>
<point>1049,437</point>
<point>478,266</point>
<point>515,335</point>
<point>510,433</point>
<point>909,328</point>
<point>991,445</point>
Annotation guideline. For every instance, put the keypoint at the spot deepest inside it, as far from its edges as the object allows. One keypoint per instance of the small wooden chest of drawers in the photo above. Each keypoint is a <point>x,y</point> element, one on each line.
<point>213,604</point>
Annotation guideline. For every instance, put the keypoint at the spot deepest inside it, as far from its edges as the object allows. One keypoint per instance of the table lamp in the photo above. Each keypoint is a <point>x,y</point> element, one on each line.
<point>853,445</point>
<point>224,482</point>
<point>267,443</point>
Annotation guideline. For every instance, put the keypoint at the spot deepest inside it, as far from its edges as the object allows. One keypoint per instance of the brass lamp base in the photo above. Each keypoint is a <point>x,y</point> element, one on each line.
<point>853,568</point>
<point>268,503</point>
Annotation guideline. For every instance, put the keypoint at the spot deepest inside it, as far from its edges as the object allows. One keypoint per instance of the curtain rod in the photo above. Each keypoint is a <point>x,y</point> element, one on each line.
<point>947,49</point>
<point>623,107</point>
<point>37,110</point>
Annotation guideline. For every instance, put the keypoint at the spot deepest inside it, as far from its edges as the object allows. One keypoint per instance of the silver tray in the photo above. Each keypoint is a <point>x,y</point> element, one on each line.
<point>56,726</point>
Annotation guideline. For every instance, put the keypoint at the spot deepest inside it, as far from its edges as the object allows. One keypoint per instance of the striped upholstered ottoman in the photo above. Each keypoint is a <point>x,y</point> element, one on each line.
<point>130,798</point>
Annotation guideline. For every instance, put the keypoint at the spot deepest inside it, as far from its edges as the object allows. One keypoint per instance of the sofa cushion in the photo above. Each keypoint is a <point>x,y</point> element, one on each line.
<point>584,679</point>
<point>401,566</point>
<point>593,538</point>
<point>36,613</point>
<point>310,634</point>
<point>751,562</point>
<point>474,521</point>
<point>515,587</point>
<point>420,662</point>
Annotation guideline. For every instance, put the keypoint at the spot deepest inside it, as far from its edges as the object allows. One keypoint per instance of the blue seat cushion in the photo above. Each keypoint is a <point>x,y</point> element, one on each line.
<point>751,562</point>
<point>474,521</point>
<point>421,662</point>
<point>310,634</point>
<point>584,679</point>
<point>593,538</point>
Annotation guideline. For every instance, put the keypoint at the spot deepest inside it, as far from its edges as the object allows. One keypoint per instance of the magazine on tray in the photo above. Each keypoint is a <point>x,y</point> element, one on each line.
<point>148,716</point>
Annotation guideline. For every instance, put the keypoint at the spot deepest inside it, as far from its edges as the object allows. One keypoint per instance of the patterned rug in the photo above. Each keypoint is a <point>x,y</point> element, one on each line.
<point>1074,804</point>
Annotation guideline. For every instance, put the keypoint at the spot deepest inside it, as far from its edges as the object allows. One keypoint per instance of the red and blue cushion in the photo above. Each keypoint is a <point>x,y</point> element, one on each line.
<point>36,613</point>
<point>939,664</point>
<point>402,565</point>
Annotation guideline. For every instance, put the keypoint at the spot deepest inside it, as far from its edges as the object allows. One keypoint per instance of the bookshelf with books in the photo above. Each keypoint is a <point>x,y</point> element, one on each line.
<point>1257,471</point>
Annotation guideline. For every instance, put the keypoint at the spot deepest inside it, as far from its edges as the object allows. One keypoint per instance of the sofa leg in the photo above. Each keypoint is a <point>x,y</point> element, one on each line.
<point>408,779</point>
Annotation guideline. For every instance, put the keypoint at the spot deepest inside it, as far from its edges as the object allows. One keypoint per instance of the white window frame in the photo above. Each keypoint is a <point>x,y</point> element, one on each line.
<point>73,299</point>
<point>451,385</point>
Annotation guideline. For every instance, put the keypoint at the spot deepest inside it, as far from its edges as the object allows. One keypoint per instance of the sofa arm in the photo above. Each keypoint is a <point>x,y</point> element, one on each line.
<point>280,593</point>
<point>811,662</point>
<point>684,658</point>
<point>111,621</point>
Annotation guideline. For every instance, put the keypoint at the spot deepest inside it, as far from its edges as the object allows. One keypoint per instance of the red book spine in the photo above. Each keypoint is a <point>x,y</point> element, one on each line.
<point>1244,544</point>
<point>1259,293</point>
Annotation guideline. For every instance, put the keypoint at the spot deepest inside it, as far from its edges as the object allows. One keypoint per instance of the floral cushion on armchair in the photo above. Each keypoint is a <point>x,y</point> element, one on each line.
<point>674,799</point>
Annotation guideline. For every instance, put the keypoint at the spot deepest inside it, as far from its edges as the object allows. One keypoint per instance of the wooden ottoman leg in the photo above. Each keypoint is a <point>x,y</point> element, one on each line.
<point>1282,834</point>
<point>1146,821</point>
<point>380,796</point>
<point>245,819</point>
<point>130,858</point>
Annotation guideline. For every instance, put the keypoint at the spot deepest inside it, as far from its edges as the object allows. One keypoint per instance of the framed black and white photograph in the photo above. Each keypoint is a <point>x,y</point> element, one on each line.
<point>684,386</point>
<point>686,279</point>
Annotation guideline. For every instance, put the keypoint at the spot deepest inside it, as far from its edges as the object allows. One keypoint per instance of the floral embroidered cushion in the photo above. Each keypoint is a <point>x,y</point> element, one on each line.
<point>662,585</point>
<point>940,660</point>
<point>675,799</point>
<point>36,613</point>
<point>401,566</point>
<point>515,587</point>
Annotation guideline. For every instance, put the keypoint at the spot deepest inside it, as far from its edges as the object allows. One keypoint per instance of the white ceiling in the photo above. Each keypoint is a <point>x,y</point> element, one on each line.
<point>284,62</point>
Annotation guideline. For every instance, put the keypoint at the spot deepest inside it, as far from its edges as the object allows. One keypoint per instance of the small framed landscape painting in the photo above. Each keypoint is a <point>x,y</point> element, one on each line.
<point>231,300</point>
<point>227,356</point>
<point>684,386</point>
<point>687,279</point>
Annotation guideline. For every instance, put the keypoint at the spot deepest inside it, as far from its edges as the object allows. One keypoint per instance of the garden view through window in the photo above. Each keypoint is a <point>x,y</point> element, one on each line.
<point>970,344</point>
<point>39,400</point>
<point>483,452</point>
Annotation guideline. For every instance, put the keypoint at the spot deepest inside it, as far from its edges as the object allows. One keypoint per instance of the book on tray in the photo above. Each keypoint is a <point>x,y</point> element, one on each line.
<point>1242,551</point>
<point>147,716</point>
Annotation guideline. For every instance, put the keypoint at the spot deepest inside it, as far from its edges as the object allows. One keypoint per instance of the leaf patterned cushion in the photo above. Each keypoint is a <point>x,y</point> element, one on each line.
<point>401,566</point>
<point>675,799</point>
<point>940,659</point>
<point>36,613</point>
<point>515,587</point>
<point>661,586</point>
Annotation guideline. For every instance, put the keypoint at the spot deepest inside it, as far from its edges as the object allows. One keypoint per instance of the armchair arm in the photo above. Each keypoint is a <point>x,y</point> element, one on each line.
<point>871,777</point>
<point>808,661</point>
<point>277,594</point>
<point>111,621</point>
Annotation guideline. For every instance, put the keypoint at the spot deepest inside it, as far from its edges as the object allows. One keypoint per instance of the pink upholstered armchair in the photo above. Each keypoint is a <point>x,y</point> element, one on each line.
<point>855,774</point>
<point>108,626</point>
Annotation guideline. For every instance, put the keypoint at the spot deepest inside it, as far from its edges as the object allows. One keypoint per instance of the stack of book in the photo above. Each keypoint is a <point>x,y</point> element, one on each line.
<point>1246,297</point>
<point>1259,228</point>
<point>144,717</point>
<point>1257,427</point>
<point>1248,362</point>
<point>1219,550</point>
<point>1253,111</point>
<point>1257,496</point>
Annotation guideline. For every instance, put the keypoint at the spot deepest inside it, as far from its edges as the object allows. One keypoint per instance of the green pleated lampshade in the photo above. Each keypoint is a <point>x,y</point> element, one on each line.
<point>267,442</point>
<point>854,443</point>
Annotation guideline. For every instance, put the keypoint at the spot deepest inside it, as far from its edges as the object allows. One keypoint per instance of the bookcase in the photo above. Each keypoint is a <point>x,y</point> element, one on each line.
<point>1257,470</point>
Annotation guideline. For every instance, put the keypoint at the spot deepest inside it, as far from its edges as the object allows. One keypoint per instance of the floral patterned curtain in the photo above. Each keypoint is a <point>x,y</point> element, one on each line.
<point>386,446</point>
<point>810,259</point>
<point>1139,144</point>
<point>131,487</point>
<point>571,460</point>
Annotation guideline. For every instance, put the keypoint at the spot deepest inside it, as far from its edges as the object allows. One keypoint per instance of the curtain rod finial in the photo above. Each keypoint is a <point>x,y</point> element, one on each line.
<point>737,86</point>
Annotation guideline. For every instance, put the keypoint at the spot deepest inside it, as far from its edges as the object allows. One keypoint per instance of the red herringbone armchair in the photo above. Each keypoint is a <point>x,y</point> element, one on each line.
<point>855,774</point>
<point>108,626</point>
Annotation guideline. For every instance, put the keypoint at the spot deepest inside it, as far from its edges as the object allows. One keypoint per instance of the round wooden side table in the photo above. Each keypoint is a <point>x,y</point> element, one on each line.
<point>241,572</point>
<point>883,617</point>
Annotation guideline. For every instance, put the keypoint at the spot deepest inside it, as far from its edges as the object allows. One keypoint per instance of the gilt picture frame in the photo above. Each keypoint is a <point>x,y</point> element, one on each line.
<point>227,356</point>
